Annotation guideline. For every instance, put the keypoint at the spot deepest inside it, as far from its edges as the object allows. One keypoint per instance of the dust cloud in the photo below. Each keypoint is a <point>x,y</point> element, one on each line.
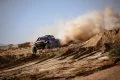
<point>84,27</point>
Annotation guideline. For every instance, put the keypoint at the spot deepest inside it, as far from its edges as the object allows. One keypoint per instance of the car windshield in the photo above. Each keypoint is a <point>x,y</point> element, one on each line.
<point>41,39</point>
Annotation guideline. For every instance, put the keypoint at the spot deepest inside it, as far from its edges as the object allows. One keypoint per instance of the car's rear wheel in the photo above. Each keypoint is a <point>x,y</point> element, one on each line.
<point>47,46</point>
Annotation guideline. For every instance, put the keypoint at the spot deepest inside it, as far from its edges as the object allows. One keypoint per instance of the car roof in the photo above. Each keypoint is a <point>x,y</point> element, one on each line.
<point>48,36</point>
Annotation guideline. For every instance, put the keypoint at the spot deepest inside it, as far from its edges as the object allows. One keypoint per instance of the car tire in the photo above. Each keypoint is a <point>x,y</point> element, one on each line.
<point>47,46</point>
<point>34,50</point>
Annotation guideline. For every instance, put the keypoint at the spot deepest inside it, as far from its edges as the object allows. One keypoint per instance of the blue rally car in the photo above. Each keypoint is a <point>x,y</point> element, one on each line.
<point>45,42</point>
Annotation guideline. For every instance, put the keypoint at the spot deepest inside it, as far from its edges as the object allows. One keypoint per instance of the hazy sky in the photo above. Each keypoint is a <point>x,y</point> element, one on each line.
<point>25,20</point>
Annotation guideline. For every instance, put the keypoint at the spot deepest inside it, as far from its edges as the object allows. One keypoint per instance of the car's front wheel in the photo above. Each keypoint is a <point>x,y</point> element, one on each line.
<point>34,50</point>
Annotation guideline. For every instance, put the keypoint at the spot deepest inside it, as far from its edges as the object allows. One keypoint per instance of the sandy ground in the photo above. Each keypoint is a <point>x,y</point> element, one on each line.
<point>58,67</point>
<point>108,74</point>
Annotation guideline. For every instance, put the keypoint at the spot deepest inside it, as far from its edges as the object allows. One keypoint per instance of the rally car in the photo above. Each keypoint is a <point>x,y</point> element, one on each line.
<point>45,42</point>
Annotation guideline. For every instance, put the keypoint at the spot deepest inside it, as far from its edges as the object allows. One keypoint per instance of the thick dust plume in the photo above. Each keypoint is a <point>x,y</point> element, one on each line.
<point>84,27</point>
